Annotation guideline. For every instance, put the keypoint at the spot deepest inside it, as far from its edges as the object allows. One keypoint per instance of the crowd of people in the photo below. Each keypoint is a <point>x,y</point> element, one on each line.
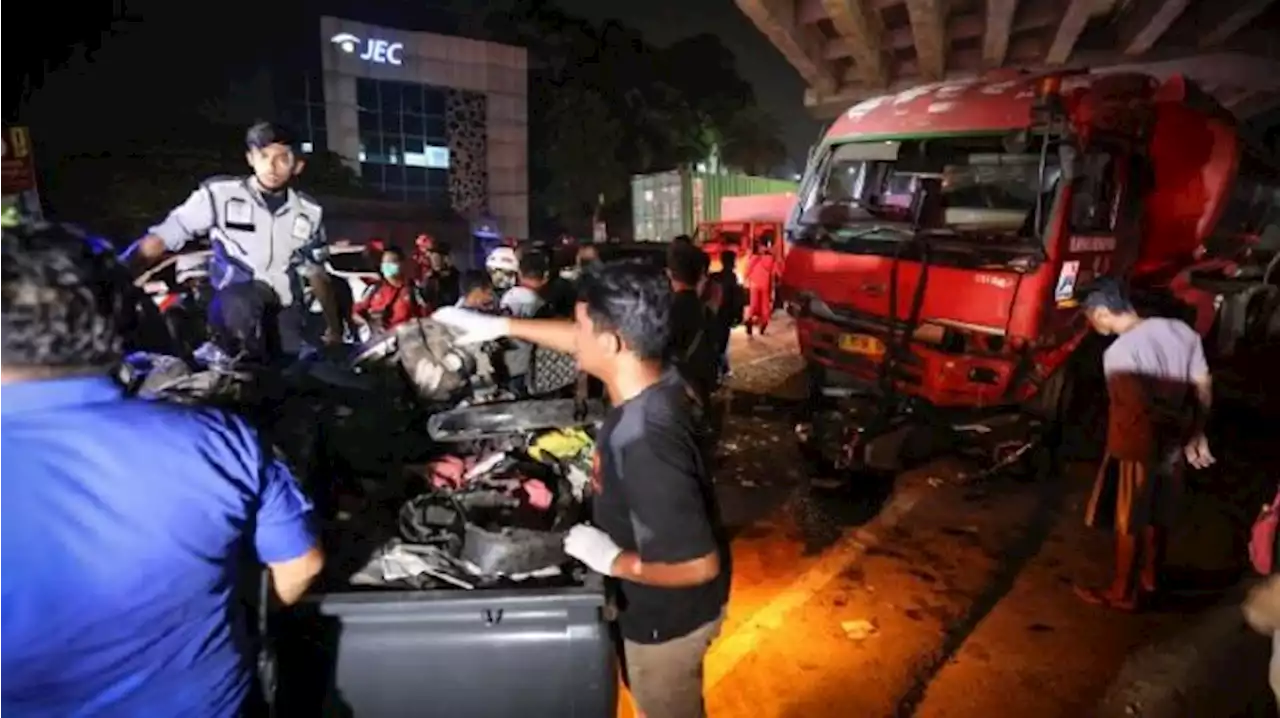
<point>148,515</point>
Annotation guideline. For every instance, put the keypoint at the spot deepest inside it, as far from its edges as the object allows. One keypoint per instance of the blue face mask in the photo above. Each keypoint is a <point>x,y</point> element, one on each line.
<point>390,270</point>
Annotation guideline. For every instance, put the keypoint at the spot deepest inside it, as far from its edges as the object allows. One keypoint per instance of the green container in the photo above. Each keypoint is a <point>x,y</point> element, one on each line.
<point>667,204</point>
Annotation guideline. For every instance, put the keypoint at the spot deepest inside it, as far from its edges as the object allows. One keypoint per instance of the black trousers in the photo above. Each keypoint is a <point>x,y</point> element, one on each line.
<point>247,318</point>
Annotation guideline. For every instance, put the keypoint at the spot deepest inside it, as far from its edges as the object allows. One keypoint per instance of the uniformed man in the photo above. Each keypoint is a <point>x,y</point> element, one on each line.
<point>266,237</point>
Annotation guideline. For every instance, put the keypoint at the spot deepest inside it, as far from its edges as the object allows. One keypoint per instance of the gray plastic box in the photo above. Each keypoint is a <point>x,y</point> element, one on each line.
<point>526,652</point>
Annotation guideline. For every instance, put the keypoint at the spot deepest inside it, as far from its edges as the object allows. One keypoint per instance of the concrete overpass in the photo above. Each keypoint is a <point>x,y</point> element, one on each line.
<point>848,50</point>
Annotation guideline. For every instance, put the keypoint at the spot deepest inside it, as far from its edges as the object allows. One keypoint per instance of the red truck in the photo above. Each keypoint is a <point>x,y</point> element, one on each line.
<point>941,235</point>
<point>742,221</point>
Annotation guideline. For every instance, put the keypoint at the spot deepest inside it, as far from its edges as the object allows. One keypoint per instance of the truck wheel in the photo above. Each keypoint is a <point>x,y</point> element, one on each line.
<point>822,436</point>
<point>1072,409</point>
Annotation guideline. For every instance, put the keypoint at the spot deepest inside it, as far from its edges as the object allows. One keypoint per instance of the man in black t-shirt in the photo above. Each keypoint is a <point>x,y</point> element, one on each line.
<point>657,528</point>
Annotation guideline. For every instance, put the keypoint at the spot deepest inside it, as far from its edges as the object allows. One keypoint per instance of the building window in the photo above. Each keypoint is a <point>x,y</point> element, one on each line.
<point>307,118</point>
<point>404,150</point>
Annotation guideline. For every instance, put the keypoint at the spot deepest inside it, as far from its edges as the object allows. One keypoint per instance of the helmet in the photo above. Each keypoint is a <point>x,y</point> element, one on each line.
<point>502,259</point>
<point>503,267</point>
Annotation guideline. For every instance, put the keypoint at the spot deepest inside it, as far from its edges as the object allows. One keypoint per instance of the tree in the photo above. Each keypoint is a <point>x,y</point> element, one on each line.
<point>751,143</point>
<point>663,113</point>
<point>582,157</point>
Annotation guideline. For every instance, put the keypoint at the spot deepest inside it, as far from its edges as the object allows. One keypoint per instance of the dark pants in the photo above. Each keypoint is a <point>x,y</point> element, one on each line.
<point>247,318</point>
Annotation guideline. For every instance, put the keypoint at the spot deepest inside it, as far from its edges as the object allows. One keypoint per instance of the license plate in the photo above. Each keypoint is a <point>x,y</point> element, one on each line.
<point>861,344</point>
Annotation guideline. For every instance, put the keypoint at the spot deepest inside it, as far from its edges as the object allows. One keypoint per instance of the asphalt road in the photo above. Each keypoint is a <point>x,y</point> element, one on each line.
<point>939,595</point>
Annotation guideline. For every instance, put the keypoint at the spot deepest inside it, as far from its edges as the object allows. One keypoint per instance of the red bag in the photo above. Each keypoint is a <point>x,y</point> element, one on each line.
<point>1262,538</point>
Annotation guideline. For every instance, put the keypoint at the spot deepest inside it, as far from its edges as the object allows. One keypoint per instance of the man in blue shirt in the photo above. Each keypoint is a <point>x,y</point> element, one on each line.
<point>126,522</point>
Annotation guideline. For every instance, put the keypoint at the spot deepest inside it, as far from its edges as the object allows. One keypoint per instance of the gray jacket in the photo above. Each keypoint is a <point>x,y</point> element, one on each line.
<point>250,242</point>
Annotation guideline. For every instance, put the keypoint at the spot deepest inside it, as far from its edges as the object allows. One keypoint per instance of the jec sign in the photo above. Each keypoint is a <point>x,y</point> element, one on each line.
<point>379,52</point>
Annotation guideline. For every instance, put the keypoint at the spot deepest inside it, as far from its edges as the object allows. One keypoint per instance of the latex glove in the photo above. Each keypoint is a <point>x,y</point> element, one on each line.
<point>474,327</point>
<point>593,547</point>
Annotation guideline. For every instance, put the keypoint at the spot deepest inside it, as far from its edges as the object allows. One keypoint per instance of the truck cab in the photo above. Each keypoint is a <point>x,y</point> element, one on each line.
<point>942,234</point>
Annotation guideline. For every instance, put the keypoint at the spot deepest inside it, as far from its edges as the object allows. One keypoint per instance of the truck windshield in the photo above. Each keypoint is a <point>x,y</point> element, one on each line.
<point>987,189</point>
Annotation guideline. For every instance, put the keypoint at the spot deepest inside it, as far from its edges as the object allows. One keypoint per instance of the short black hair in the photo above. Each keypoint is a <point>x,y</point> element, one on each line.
<point>534,264</point>
<point>687,263</point>
<point>633,299</point>
<point>1107,293</point>
<point>728,258</point>
<point>66,299</point>
<point>394,251</point>
<point>264,134</point>
<point>474,279</point>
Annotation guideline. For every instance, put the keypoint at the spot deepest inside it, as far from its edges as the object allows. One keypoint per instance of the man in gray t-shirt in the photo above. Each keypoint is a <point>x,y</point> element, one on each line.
<point>1159,391</point>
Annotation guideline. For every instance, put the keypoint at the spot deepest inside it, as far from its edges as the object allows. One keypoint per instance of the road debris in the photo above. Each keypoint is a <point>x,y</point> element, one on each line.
<point>860,629</point>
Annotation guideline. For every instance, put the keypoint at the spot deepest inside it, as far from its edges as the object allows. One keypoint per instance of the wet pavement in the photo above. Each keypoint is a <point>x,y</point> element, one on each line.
<point>933,594</point>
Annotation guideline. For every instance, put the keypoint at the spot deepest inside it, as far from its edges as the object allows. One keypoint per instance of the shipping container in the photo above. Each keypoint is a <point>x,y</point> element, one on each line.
<point>666,204</point>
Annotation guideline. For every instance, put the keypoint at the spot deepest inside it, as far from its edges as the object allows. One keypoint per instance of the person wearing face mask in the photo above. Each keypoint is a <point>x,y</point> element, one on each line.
<point>393,300</point>
<point>268,239</point>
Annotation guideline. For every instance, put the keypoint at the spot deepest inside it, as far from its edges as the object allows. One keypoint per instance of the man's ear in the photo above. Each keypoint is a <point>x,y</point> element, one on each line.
<point>299,165</point>
<point>610,342</point>
<point>248,158</point>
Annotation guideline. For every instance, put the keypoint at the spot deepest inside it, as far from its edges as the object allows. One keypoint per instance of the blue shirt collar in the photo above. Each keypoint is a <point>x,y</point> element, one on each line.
<point>45,394</point>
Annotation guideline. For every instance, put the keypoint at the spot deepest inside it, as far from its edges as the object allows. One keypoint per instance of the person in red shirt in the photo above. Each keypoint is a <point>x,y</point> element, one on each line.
<point>760,283</point>
<point>393,300</point>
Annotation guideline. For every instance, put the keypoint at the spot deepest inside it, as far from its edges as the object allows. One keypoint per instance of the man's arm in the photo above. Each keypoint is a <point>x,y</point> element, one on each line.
<point>284,537</point>
<point>311,265</point>
<point>677,546</point>
<point>555,334</point>
<point>193,217</point>
<point>1202,380</point>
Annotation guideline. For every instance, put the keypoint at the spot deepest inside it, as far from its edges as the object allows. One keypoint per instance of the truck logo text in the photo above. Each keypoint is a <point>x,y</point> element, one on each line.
<point>1092,244</point>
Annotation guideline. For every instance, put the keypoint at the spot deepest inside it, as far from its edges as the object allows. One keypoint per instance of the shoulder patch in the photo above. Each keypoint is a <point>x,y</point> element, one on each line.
<point>308,202</point>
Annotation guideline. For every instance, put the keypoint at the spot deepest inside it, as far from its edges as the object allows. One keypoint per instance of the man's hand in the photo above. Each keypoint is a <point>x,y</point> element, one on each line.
<point>593,547</point>
<point>473,327</point>
<point>1197,452</point>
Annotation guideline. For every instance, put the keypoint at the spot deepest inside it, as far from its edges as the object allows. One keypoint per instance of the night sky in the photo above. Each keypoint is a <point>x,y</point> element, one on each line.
<point>778,87</point>
<point>164,39</point>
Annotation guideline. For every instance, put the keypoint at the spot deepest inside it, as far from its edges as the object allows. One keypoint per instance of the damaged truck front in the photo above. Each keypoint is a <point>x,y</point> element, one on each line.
<point>942,235</point>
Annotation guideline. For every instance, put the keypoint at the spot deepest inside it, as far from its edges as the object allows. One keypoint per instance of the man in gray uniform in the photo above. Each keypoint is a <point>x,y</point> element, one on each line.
<point>266,238</point>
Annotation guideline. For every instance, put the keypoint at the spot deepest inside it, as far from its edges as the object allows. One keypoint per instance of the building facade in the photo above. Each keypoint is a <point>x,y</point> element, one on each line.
<point>426,119</point>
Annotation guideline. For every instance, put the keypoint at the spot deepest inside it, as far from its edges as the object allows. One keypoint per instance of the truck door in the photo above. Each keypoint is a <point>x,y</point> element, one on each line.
<point>1100,227</point>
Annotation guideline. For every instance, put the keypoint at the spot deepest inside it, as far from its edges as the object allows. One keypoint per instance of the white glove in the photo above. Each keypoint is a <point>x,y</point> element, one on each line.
<point>474,327</point>
<point>593,547</point>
